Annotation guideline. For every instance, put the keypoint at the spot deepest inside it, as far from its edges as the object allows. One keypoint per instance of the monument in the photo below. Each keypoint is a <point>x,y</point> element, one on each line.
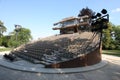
<point>78,45</point>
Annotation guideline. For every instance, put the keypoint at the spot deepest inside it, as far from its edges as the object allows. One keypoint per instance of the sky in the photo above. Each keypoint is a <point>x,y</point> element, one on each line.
<point>40,15</point>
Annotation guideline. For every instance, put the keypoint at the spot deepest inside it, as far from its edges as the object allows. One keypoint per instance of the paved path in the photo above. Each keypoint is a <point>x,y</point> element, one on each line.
<point>109,72</point>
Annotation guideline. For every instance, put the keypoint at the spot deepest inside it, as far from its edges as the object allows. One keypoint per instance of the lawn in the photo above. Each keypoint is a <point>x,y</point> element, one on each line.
<point>112,52</point>
<point>5,49</point>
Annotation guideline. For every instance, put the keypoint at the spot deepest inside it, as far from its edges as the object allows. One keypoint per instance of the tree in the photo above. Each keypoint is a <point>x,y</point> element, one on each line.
<point>107,39</point>
<point>86,11</point>
<point>111,37</point>
<point>20,37</point>
<point>0,41</point>
<point>2,29</point>
<point>24,35</point>
<point>5,40</point>
<point>116,30</point>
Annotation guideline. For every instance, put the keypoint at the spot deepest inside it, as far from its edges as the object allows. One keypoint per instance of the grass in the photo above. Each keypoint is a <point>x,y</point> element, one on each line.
<point>5,49</point>
<point>112,52</point>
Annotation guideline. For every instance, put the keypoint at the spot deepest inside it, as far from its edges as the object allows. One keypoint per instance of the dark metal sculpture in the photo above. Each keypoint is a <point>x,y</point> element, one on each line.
<point>99,22</point>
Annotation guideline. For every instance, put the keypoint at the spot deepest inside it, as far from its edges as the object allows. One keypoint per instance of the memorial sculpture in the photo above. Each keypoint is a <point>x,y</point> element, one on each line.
<point>78,45</point>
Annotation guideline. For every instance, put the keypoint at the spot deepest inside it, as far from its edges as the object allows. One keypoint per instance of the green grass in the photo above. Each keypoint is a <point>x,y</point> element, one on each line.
<point>5,49</point>
<point>112,52</point>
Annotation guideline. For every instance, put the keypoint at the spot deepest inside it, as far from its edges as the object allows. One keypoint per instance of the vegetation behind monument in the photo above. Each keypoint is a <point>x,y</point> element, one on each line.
<point>14,39</point>
<point>22,37</point>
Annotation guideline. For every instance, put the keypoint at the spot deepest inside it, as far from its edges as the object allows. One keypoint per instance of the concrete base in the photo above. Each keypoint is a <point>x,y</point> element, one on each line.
<point>29,67</point>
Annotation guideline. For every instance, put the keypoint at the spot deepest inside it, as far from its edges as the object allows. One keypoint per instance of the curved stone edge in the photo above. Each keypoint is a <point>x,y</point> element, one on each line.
<point>50,70</point>
<point>91,58</point>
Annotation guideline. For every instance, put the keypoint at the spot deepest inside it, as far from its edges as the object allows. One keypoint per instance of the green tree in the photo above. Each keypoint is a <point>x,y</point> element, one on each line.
<point>5,40</point>
<point>0,41</point>
<point>2,28</point>
<point>86,11</point>
<point>116,30</point>
<point>107,39</point>
<point>24,35</point>
<point>20,37</point>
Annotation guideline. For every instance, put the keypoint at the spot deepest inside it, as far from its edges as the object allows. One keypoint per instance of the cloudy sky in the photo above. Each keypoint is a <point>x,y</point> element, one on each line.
<point>39,15</point>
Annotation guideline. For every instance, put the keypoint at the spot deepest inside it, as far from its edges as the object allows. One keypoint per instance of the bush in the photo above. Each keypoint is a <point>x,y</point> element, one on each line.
<point>118,47</point>
<point>112,47</point>
<point>4,41</point>
<point>0,41</point>
<point>13,43</point>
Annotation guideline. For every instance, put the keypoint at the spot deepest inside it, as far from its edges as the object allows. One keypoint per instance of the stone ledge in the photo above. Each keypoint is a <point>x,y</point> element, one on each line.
<point>41,69</point>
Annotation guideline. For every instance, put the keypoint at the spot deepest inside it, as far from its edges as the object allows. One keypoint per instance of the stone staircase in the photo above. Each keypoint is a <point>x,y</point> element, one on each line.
<point>58,48</point>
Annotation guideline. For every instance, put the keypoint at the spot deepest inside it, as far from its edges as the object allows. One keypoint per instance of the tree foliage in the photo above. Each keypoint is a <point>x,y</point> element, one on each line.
<point>20,37</point>
<point>111,37</point>
<point>106,39</point>
<point>116,30</point>
<point>86,11</point>
<point>5,40</point>
<point>2,28</point>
